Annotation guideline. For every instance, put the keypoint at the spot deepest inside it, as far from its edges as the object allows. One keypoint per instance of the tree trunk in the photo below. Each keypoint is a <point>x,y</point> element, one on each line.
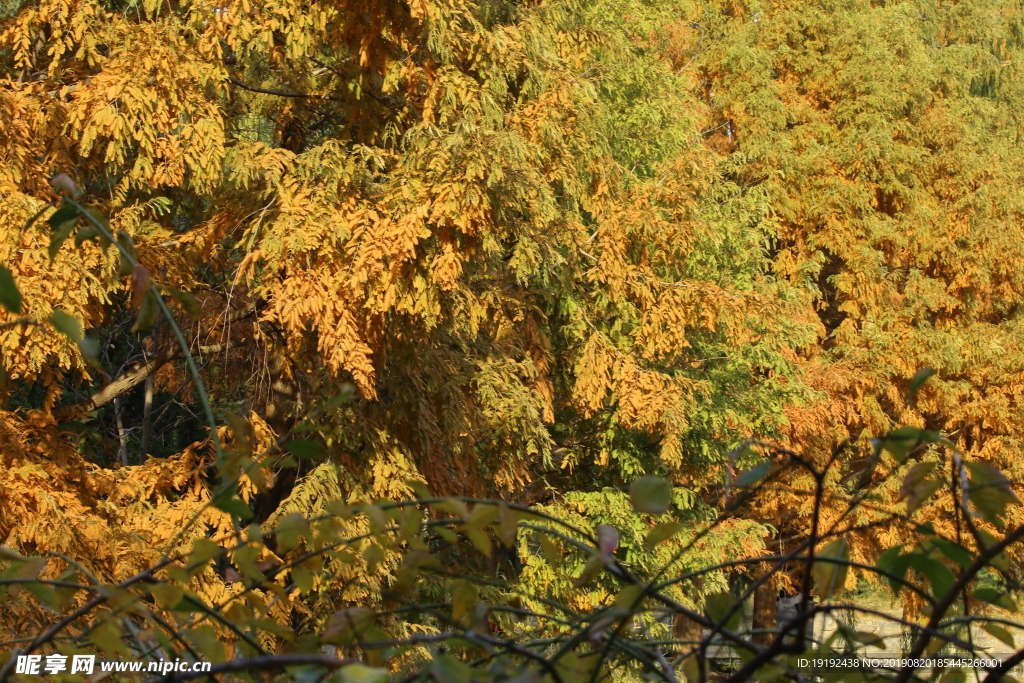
<point>122,435</point>
<point>277,412</point>
<point>765,606</point>
<point>147,420</point>
<point>687,630</point>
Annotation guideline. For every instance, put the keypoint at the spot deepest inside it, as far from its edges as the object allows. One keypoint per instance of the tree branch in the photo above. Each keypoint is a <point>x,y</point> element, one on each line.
<point>19,321</point>
<point>139,373</point>
<point>126,382</point>
<point>123,384</point>
<point>280,93</point>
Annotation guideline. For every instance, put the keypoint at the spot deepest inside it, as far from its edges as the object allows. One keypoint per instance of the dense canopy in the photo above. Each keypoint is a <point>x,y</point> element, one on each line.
<point>520,250</point>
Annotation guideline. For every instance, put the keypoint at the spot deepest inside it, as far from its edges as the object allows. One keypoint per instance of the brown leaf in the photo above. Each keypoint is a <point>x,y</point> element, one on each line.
<point>141,282</point>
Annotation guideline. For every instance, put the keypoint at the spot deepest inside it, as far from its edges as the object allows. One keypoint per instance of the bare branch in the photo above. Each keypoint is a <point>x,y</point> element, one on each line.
<point>139,373</point>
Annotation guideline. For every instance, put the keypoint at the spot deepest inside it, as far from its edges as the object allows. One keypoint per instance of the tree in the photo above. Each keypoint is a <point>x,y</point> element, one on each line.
<point>886,138</point>
<point>496,223</point>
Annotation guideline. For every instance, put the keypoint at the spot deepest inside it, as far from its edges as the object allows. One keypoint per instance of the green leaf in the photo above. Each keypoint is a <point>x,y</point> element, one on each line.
<point>768,673</point>
<point>905,439</point>
<point>411,522</point>
<point>36,216</point>
<point>188,303</point>
<point>999,561</point>
<point>242,429</point>
<point>447,534</point>
<point>753,475</point>
<point>956,675</point>
<point>915,476</point>
<point>190,603</point>
<point>938,574</point>
<point>205,640</point>
<point>290,529</point>
<point>66,325</point>
<point>917,488</point>
<point>62,222</point>
<point>306,448</point>
<point>167,595</point>
<point>90,348</point>
<point>990,492</point>
<point>920,377</point>
<point>448,669</point>
<point>373,554</point>
<point>692,669</point>
<point>10,297</point>
<point>508,524</point>
<point>98,219</point>
<point>62,215</point>
<point>591,570</point>
<point>203,551</point>
<point>58,237</point>
<point>128,256</point>
<point>994,596</point>
<point>107,637</point>
<point>419,488</point>
<point>989,595</point>
<point>453,506</point>
<point>717,605</point>
<point>869,639</point>
<point>84,234</point>
<point>348,625</point>
<point>954,551</point>
<point>651,495</point>
<point>44,594</point>
<point>148,312</point>
<point>465,595</point>
<point>480,540</point>
<point>360,673</point>
<point>629,598</point>
<point>830,576</point>
<point>346,394</point>
<point>921,493</point>
<point>1000,633</point>
<point>228,502</point>
<point>244,558</point>
<point>9,555</point>
<point>481,516</point>
<point>376,517</point>
<point>303,579</point>
<point>549,549</point>
<point>662,532</point>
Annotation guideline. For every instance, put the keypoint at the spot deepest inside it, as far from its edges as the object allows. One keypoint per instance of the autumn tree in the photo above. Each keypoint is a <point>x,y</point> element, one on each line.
<point>497,227</point>
<point>886,137</point>
<point>527,250</point>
